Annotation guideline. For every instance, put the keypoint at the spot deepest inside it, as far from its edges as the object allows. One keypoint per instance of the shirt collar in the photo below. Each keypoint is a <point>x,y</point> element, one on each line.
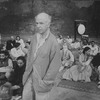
<point>39,36</point>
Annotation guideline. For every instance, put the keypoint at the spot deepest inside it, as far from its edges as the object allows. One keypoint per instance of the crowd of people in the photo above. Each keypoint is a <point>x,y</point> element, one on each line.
<point>12,64</point>
<point>31,68</point>
<point>80,60</point>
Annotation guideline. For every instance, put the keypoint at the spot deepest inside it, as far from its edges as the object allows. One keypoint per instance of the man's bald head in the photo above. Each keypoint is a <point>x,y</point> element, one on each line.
<point>43,16</point>
<point>43,21</point>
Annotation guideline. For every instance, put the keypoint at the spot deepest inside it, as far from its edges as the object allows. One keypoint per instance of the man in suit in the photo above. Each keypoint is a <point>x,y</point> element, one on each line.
<point>43,61</point>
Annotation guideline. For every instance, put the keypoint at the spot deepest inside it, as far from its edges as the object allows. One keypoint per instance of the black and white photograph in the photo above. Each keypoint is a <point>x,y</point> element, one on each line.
<point>49,49</point>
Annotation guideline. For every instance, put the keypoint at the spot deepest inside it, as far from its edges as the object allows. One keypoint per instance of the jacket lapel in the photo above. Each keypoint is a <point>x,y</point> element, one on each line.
<point>39,50</point>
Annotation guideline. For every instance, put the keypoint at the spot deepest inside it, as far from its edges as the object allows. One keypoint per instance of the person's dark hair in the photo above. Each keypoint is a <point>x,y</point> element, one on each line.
<point>85,41</point>
<point>3,52</point>
<point>18,37</point>
<point>22,58</point>
<point>85,49</point>
<point>1,46</point>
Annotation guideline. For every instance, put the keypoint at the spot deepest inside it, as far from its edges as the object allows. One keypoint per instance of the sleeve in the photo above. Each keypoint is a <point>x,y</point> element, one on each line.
<point>55,64</point>
<point>81,58</point>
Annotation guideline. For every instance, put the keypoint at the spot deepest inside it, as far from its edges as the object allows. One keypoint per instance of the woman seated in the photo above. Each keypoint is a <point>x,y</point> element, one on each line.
<point>82,71</point>
<point>18,75</point>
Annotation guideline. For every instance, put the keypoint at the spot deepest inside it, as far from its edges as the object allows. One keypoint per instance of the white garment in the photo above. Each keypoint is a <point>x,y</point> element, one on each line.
<point>21,43</point>
<point>17,52</point>
<point>59,40</point>
<point>69,40</point>
<point>68,57</point>
<point>76,45</point>
<point>94,50</point>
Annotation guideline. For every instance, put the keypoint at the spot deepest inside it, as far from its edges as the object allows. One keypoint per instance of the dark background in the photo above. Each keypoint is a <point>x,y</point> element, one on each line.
<point>17,16</point>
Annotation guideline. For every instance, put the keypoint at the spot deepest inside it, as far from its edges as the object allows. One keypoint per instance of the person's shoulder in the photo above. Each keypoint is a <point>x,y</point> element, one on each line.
<point>53,38</point>
<point>33,37</point>
<point>52,35</point>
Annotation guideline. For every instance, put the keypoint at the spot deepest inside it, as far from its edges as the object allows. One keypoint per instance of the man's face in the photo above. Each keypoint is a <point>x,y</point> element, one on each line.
<point>2,56</point>
<point>42,25</point>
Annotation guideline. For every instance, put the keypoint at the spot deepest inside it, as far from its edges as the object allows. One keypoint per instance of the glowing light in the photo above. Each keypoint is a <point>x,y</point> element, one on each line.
<point>81,29</point>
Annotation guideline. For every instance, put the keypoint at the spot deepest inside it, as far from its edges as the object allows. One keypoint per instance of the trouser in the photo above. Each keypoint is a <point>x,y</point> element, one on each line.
<point>30,94</point>
<point>42,96</point>
<point>28,91</point>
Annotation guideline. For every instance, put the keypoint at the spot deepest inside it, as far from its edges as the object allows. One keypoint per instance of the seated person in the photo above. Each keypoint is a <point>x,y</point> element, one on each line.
<point>6,67</point>
<point>67,61</point>
<point>18,75</point>
<point>68,57</point>
<point>21,41</point>
<point>95,64</point>
<point>82,70</point>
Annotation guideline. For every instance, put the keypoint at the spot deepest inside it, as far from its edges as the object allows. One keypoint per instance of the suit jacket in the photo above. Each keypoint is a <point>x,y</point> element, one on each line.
<point>47,60</point>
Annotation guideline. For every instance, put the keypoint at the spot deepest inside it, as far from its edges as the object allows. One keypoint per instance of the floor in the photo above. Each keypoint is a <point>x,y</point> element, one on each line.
<point>61,93</point>
<point>70,94</point>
